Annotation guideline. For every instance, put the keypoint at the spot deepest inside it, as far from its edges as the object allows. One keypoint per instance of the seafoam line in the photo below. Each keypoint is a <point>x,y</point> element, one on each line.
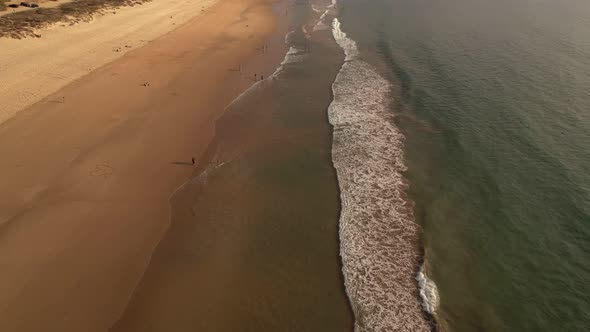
<point>379,238</point>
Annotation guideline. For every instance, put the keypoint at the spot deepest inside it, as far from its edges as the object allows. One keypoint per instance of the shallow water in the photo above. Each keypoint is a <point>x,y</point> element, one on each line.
<point>253,242</point>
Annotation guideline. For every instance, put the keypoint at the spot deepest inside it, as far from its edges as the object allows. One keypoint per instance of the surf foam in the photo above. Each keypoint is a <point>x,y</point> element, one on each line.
<point>428,292</point>
<point>379,239</point>
<point>328,12</point>
<point>294,55</point>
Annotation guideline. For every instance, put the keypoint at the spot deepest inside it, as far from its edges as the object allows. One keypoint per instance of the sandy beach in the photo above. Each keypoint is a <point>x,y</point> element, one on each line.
<point>88,168</point>
<point>32,68</point>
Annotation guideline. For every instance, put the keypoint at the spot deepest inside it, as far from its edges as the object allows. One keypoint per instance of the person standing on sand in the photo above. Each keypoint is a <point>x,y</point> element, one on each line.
<point>193,159</point>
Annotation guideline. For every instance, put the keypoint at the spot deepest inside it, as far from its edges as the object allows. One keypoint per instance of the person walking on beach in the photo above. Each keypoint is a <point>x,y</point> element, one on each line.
<point>194,162</point>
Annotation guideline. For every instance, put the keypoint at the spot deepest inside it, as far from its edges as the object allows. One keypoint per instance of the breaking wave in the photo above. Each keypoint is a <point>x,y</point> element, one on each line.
<point>294,55</point>
<point>428,292</point>
<point>379,238</point>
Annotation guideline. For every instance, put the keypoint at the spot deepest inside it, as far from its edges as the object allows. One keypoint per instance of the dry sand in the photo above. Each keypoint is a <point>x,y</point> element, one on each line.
<point>86,173</point>
<point>33,68</point>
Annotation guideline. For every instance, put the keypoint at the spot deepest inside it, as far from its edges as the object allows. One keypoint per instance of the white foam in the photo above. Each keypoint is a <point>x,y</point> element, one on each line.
<point>289,37</point>
<point>294,55</point>
<point>428,292</point>
<point>323,21</point>
<point>379,239</point>
<point>328,13</point>
<point>348,45</point>
<point>318,8</point>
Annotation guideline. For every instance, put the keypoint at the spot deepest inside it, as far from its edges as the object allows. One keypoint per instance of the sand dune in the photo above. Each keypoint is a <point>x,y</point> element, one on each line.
<point>33,68</point>
<point>42,3</point>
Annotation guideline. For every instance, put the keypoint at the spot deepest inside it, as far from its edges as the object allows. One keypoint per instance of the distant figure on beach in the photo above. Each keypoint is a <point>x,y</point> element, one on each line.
<point>255,77</point>
<point>261,77</point>
<point>193,159</point>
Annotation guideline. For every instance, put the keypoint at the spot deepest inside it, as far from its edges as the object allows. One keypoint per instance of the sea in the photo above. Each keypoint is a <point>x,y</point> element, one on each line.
<point>412,165</point>
<point>492,102</point>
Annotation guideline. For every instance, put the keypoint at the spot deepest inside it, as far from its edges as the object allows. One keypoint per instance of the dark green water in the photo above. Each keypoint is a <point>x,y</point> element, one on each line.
<point>493,99</point>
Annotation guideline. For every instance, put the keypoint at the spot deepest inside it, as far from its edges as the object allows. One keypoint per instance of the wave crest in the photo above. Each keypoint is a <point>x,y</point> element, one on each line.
<point>379,239</point>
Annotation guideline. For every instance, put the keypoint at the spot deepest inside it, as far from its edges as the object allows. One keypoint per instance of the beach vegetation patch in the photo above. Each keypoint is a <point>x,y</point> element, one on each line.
<point>26,23</point>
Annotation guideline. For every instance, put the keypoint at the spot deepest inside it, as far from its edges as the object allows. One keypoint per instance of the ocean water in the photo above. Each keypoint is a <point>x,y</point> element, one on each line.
<point>411,165</point>
<point>378,236</point>
<point>492,100</point>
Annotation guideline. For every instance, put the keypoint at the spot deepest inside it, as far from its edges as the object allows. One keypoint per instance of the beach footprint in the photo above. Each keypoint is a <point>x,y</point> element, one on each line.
<point>102,170</point>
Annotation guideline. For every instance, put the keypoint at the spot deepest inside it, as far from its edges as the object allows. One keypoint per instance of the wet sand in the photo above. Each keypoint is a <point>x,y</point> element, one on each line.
<point>253,243</point>
<point>86,173</point>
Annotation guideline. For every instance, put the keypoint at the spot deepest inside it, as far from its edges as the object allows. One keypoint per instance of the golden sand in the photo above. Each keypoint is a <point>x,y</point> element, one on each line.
<point>86,172</point>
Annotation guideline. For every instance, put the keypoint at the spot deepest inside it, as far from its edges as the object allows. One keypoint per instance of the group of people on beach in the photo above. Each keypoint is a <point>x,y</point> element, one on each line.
<point>264,49</point>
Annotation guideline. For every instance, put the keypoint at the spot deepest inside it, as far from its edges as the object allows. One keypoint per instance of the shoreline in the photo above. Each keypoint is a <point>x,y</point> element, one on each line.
<point>248,249</point>
<point>274,48</point>
<point>86,209</point>
<point>379,237</point>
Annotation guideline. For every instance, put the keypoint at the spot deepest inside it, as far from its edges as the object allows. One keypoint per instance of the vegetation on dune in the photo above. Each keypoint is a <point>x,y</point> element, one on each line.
<point>27,23</point>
